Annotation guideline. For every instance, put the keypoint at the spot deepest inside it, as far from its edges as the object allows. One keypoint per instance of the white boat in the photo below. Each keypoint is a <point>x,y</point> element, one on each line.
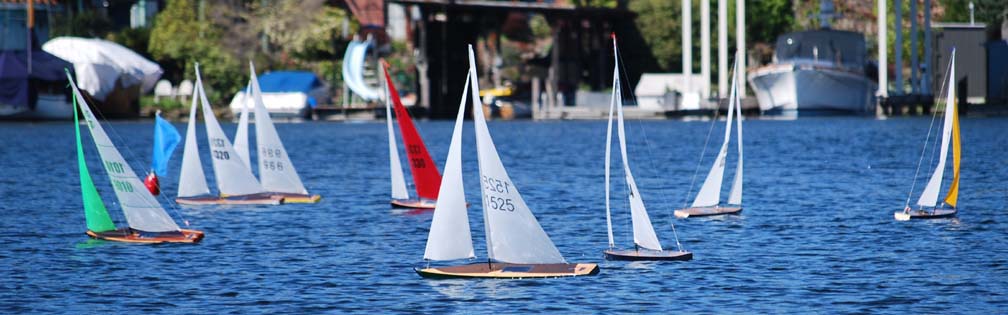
<point>517,246</point>
<point>643,231</point>
<point>708,200</point>
<point>235,182</point>
<point>928,207</point>
<point>276,171</point>
<point>820,72</point>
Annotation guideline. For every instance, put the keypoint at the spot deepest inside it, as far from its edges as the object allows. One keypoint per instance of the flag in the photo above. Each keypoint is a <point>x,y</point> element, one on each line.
<point>166,137</point>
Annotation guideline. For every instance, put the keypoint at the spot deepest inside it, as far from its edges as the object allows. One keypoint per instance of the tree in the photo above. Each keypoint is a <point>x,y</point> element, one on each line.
<point>178,40</point>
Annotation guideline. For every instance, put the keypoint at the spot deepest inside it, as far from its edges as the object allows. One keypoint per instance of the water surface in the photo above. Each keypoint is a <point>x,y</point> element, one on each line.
<point>817,232</point>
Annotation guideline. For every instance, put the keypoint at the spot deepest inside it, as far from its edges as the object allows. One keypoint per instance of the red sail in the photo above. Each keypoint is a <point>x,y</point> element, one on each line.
<point>426,176</point>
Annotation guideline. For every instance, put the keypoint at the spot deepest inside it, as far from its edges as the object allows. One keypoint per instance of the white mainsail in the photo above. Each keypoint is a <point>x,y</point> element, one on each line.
<point>449,236</point>
<point>929,198</point>
<point>710,192</point>
<point>608,158</point>
<point>513,233</point>
<point>735,195</point>
<point>241,142</point>
<point>143,212</point>
<point>395,168</point>
<point>276,171</point>
<point>643,231</point>
<point>233,176</point>
<point>192,181</point>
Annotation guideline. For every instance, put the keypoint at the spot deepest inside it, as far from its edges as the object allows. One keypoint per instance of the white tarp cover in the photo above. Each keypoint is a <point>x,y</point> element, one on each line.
<point>99,64</point>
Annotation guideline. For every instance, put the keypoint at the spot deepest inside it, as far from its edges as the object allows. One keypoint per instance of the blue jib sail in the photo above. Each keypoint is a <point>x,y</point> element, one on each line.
<point>166,137</point>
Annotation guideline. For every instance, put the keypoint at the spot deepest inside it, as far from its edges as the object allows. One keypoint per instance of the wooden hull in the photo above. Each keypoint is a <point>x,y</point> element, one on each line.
<point>922,214</point>
<point>253,199</point>
<point>413,203</point>
<point>509,271</point>
<point>647,255</point>
<point>128,235</point>
<point>706,211</point>
<point>297,198</point>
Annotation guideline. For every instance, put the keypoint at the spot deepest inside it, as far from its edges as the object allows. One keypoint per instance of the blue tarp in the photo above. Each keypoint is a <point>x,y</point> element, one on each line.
<point>289,81</point>
<point>14,76</point>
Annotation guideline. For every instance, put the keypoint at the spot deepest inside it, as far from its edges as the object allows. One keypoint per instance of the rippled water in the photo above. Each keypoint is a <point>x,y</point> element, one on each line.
<point>817,233</point>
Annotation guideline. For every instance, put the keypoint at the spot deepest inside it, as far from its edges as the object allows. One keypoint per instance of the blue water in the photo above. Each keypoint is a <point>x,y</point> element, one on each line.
<point>817,233</point>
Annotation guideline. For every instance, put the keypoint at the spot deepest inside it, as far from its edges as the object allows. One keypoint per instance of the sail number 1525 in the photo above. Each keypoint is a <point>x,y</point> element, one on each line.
<point>493,187</point>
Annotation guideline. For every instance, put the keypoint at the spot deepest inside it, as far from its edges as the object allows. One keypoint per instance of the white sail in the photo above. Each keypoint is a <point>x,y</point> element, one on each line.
<point>929,198</point>
<point>710,192</point>
<point>233,176</point>
<point>192,181</point>
<point>395,168</point>
<point>143,212</point>
<point>241,142</point>
<point>276,171</point>
<point>643,231</point>
<point>449,236</point>
<point>735,195</point>
<point>513,233</point>
<point>608,158</point>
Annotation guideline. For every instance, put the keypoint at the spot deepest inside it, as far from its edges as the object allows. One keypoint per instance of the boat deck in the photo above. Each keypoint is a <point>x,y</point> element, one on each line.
<point>509,271</point>
<point>253,199</point>
<point>706,211</point>
<point>129,235</point>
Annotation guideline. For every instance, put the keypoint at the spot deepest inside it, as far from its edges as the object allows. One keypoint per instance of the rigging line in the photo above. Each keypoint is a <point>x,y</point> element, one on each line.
<point>928,137</point>
<point>647,144</point>
<point>133,156</point>
<point>171,203</point>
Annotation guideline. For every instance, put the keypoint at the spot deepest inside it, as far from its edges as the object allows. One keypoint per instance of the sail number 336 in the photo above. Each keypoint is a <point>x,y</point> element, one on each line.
<point>492,187</point>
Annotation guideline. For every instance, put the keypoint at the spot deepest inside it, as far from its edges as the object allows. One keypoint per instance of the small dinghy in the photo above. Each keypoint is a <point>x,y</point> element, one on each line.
<point>517,246</point>
<point>707,202</point>
<point>148,222</point>
<point>643,231</point>
<point>928,207</point>
<point>235,182</point>
<point>426,178</point>
<point>276,171</point>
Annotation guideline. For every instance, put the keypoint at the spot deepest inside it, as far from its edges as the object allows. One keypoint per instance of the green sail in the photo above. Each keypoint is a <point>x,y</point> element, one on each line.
<point>95,214</point>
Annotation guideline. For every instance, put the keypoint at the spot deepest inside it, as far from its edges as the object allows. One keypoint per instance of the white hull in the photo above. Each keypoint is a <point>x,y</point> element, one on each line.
<point>48,106</point>
<point>808,88</point>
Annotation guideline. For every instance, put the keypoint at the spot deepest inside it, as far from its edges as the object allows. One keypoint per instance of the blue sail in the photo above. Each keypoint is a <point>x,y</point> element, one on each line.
<point>166,137</point>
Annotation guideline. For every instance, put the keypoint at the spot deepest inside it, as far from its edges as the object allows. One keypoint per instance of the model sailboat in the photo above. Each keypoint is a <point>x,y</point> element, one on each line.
<point>235,181</point>
<point>277,173</point>
<point>928,201</point>
<point>707,202</point>
<point>147,220</point>
<point>426,178</point>
<point>643,232</point>
<point>517,246</point>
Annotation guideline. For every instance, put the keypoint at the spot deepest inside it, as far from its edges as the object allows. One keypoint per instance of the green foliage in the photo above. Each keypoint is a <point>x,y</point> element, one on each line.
<point>82,24</point>
<point>659,24</point>
<point>178,40</point>
<point>767,19</point>
<point>991,12</point>
<point>597,3</point>
<point>136,39</point>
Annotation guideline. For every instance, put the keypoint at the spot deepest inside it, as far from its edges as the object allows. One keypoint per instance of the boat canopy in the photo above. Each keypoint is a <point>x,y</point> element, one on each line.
<point>102,66</point>
<point>842,47</point>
